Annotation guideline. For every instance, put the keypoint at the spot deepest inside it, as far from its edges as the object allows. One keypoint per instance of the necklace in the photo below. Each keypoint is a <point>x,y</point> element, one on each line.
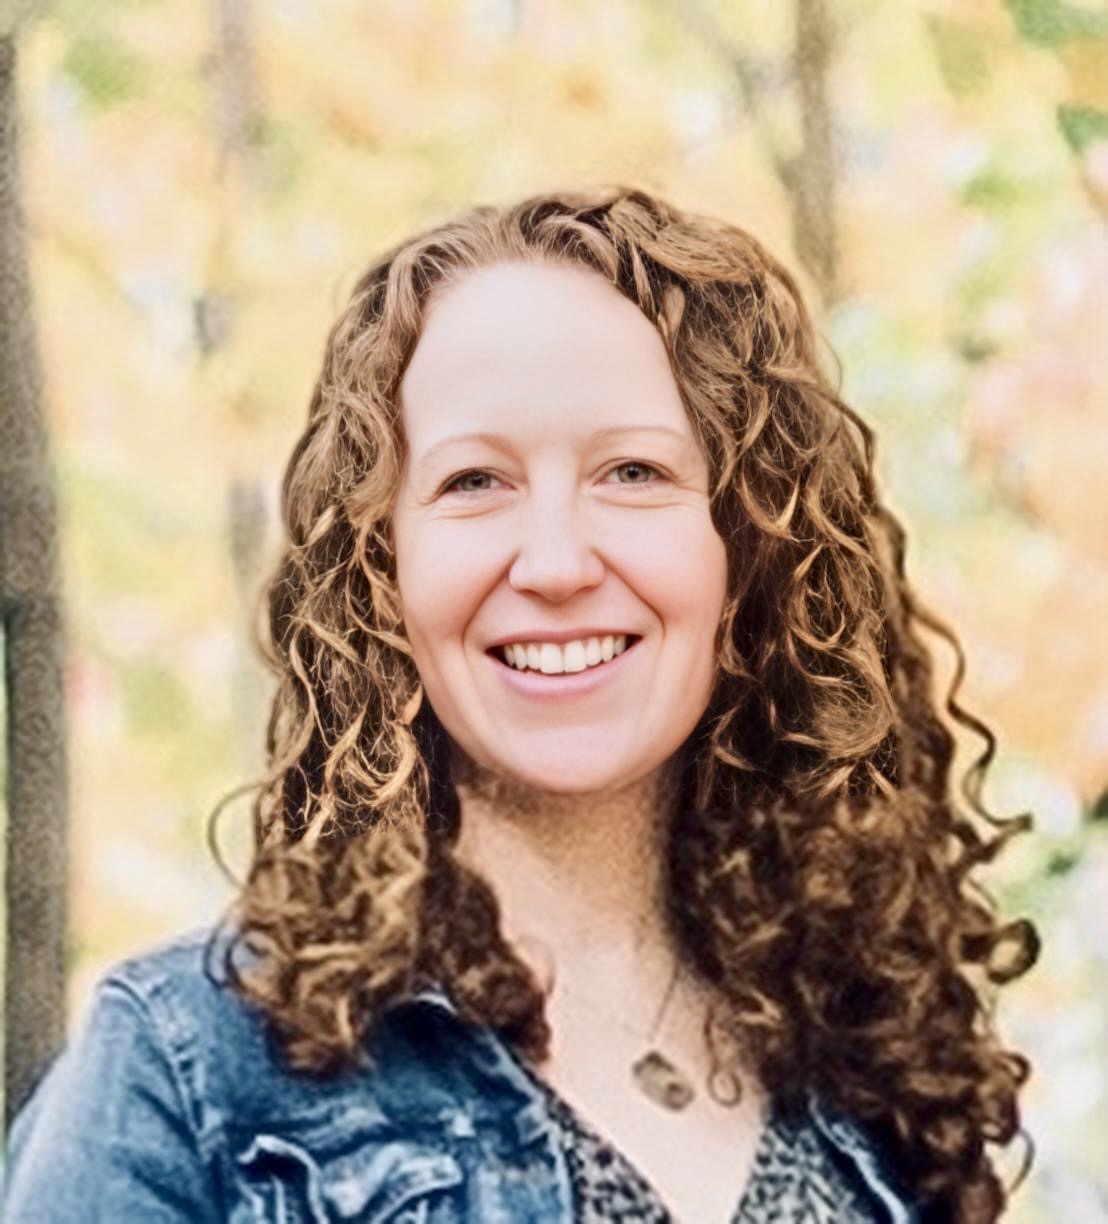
<point>654,1073</point>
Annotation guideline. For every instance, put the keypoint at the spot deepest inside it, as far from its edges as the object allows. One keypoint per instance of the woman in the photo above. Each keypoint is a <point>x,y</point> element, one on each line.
<point>608,866</point>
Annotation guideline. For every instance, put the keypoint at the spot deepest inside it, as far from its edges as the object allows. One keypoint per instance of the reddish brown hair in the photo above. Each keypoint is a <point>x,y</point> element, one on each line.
<point>820,864</point>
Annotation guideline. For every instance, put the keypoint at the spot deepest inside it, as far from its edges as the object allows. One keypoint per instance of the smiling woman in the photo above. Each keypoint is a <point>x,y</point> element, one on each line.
<point>609,864</point>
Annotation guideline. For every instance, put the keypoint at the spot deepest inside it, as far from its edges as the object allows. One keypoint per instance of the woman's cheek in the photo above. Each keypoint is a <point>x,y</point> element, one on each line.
<point>683,561</point>
<point>443,577</point>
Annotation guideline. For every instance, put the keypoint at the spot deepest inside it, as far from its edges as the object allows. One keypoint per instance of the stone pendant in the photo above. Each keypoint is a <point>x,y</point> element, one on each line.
<point>662,1082</point>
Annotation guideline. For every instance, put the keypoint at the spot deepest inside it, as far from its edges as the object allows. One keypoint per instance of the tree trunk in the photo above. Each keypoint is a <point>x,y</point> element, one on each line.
<point>811,174</point>
<point>236,115</point>
<point>31,618</point>
<point>808,171</point>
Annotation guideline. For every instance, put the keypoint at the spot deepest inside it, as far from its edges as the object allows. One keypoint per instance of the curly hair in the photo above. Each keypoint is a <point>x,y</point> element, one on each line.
<point>819,860</point>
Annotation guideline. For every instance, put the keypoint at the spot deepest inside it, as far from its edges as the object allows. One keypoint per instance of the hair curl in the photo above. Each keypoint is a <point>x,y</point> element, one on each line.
<point>819,863</point>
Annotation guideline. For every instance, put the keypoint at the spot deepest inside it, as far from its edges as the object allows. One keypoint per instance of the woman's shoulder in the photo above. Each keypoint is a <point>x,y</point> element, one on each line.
<point>183,985</point>
<point>176,997</point>
<point>167,1022</point>
<point>171,1100</point>
<point>179,957</point>
<point>179,980</point>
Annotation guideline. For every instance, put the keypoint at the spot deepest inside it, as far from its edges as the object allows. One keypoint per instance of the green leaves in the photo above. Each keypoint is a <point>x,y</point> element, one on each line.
<point>1049,23</point>
<point>104,68</point>
<point>962,54</point>
<point>1078,38</point>
<point>1082,125</point>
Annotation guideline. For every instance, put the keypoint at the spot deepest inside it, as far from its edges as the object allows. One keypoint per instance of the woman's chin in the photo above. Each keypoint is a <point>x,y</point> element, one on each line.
<point>562,776</point>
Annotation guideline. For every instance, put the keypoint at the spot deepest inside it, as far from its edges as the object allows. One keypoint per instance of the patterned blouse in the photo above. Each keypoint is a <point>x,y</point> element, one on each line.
<point>794,1179</point>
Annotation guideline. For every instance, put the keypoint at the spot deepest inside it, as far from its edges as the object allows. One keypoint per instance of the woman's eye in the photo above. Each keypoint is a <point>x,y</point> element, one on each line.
<point>640,473</point>
<point>464,482</point>
<point>477,480</point>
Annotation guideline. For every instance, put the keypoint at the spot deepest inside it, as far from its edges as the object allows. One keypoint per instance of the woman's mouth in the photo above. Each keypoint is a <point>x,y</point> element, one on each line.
<point>560,658</point>
<point>563,668</point>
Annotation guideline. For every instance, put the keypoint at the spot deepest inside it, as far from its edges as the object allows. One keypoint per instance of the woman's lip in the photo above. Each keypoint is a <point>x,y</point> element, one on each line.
<point>564,684</point>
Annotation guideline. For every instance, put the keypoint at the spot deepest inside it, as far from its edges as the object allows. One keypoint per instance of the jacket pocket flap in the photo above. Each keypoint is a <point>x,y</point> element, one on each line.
<point>369,1183</point>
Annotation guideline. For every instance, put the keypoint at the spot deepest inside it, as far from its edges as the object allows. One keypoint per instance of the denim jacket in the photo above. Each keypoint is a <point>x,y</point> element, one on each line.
<point>171,1104</point>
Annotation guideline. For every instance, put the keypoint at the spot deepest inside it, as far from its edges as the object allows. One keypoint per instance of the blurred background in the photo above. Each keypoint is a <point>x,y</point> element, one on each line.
<point>189,191</point>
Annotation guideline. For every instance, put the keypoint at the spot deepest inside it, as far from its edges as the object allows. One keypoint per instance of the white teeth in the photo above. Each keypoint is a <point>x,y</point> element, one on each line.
<point>553,659</point>
<point>573,654</point>
<point>550,659</point>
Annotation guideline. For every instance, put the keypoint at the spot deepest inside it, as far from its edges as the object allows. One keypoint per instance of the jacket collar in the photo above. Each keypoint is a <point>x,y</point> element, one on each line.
<point>531,1119</point>
<point>508,1094</point>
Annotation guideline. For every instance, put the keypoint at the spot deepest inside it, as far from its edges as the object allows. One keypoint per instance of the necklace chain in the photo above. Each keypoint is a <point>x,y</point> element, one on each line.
<point>654,1074</point>
<point>656,1026</point>
<point>650,1034</point>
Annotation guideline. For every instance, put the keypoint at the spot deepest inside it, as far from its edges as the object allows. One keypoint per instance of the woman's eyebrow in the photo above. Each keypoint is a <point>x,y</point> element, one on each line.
<point>502,442</point>
<point>491,439</point>
<point>614,430</point>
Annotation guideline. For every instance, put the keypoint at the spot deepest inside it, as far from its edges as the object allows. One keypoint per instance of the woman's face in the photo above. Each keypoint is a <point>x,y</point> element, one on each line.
<point>553,493</point>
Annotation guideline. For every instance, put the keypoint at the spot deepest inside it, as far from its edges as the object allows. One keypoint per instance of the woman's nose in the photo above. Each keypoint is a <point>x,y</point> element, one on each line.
<point>556,557</point>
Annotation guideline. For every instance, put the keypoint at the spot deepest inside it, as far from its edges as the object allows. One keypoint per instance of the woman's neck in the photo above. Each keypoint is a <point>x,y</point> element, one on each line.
<point>579,878</point>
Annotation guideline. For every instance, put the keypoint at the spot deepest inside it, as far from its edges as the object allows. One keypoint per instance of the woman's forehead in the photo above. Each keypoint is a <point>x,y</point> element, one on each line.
<point>517,346</point>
